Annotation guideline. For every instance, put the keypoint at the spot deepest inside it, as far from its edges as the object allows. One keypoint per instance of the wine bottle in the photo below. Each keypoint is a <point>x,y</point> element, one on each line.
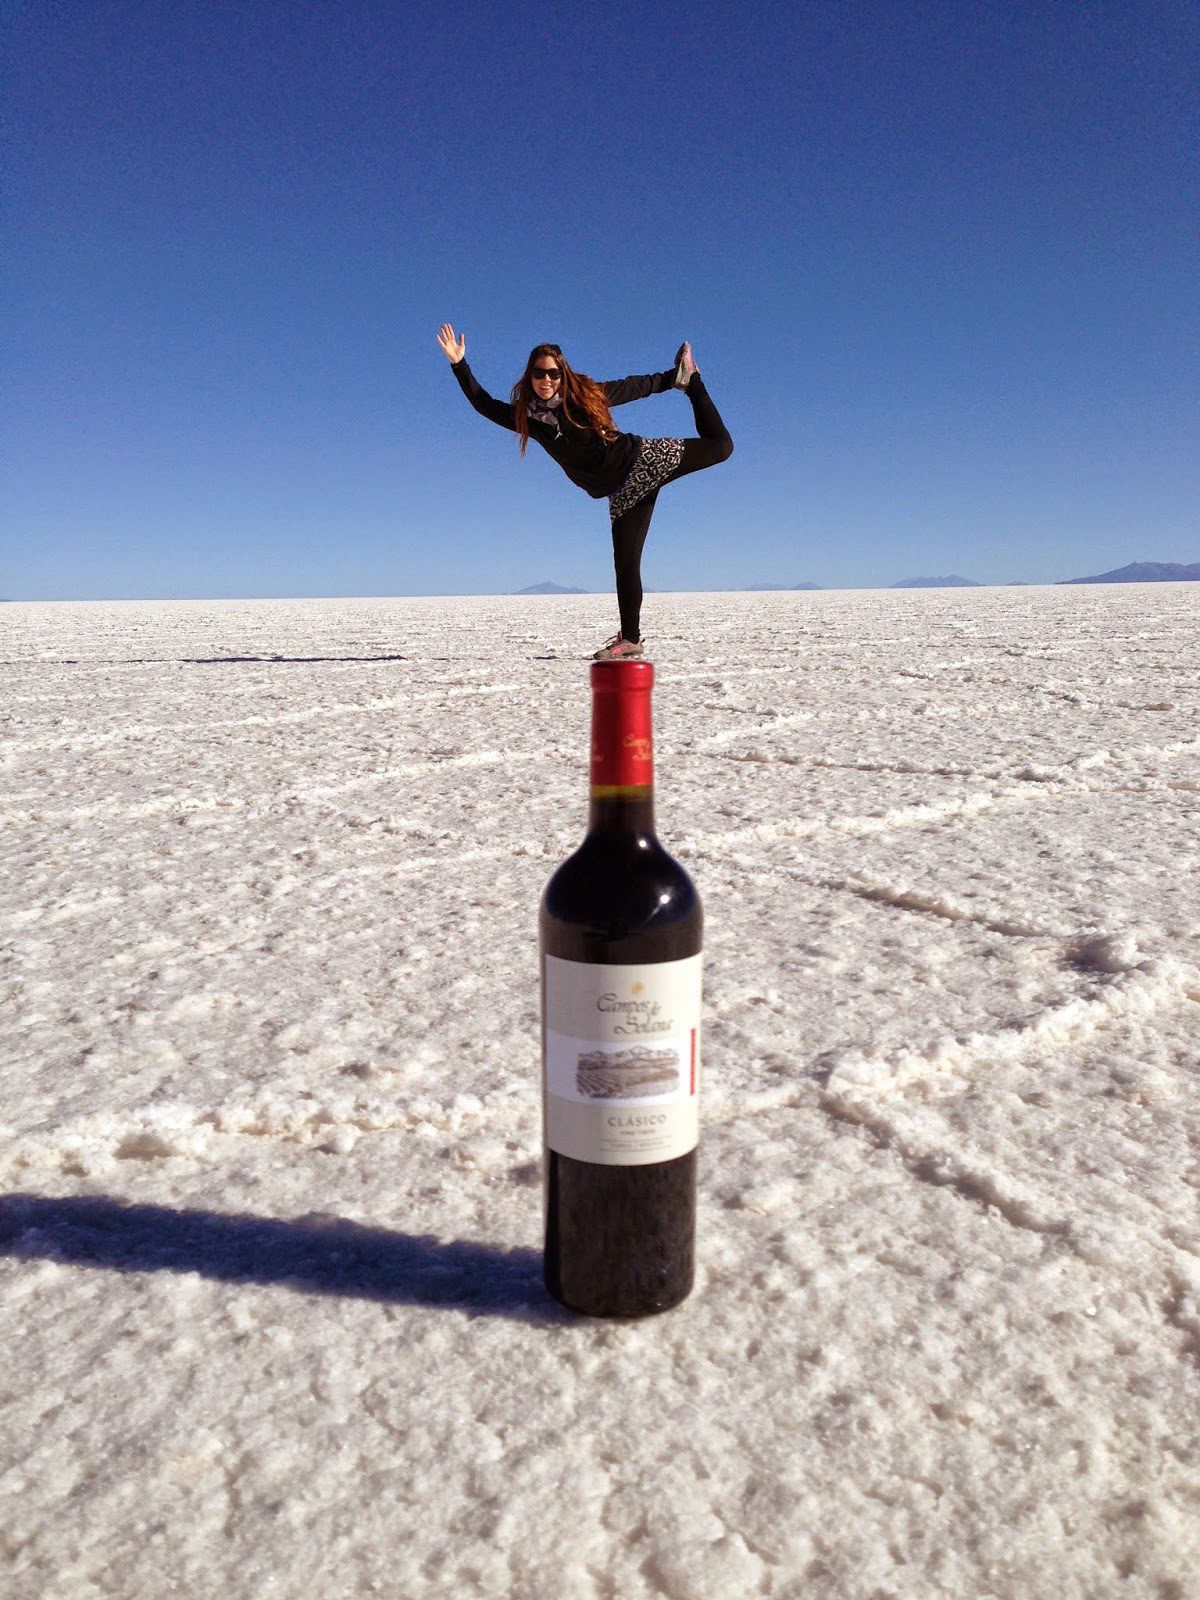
<point>621,930</point>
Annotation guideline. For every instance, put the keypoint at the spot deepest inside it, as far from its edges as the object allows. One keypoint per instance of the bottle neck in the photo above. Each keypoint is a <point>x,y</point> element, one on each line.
<point>631,812</point>
<point>622,765</point>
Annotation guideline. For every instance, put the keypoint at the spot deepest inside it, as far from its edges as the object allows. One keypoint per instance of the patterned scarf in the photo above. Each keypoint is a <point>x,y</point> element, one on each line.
<point>546,410</point>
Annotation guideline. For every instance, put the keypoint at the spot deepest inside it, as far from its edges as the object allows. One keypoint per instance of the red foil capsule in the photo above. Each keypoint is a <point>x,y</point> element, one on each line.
<point>622,745</point>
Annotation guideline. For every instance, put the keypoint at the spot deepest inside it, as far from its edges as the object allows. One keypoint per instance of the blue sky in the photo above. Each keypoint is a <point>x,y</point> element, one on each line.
<point>938,262</point>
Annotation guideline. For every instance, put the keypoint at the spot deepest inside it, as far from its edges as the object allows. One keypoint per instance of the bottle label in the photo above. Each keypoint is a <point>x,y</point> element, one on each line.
<point>622,1060</point>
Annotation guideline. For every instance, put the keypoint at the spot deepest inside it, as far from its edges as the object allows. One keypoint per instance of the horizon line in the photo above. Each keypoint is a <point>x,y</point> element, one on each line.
<point>902,586</point>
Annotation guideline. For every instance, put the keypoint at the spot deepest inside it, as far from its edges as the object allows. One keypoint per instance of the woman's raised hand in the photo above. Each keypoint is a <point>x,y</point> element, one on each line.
<point>455,345</point>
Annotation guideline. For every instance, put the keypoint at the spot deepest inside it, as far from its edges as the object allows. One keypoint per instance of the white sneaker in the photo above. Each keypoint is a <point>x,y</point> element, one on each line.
<point>685,365</point>
<point>618,649</point>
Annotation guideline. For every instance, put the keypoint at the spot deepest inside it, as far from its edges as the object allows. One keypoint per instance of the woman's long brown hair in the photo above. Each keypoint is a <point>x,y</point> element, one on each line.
<point>583,401</point>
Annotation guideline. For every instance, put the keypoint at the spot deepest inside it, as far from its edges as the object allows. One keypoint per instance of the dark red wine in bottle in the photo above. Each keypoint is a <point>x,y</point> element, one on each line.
<point>621,932</point>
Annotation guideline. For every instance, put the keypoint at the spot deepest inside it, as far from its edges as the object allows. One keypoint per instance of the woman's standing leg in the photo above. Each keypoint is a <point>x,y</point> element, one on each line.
<point>629,532</point>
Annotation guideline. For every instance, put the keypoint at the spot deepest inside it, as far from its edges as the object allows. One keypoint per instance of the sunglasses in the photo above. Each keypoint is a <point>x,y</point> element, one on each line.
<point>547,372</point>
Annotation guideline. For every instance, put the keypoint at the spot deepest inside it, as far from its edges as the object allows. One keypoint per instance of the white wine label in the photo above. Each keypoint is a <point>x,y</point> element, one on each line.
<point>622,1060</point>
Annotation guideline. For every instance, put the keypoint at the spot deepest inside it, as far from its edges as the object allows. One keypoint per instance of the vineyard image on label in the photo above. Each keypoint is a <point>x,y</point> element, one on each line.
<point>581,1069</point>
<point>641,1072</point>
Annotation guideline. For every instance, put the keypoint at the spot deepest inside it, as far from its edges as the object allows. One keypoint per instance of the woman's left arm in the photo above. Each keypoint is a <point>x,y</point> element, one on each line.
<point>617,391</point>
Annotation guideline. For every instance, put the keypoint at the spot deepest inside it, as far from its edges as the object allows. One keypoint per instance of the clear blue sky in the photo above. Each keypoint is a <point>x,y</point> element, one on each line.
<point>938,262</point>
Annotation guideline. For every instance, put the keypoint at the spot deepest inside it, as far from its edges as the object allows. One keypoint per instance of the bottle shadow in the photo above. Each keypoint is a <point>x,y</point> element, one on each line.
<point>313,1254</point>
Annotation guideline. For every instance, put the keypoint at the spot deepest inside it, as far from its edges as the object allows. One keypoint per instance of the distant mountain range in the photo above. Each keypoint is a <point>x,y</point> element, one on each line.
<point>951,582</point>
<point>1146,572</point>
<point>1136,572</point>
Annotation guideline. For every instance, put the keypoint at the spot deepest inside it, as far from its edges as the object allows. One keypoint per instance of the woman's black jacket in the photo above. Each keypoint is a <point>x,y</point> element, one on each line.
<point>600,466</point>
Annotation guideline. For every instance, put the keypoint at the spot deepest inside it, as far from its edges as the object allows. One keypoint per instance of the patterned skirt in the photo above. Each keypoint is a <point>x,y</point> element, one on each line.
<point>654,463</point>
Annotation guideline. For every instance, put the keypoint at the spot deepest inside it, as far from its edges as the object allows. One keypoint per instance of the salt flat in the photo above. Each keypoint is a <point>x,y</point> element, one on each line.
<point>269,1236</point>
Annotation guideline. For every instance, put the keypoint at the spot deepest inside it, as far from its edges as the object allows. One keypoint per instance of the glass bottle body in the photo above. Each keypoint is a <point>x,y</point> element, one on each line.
<point>620,1233</point>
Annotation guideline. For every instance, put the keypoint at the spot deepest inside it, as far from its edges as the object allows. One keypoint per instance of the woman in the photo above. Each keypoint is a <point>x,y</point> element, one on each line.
<point>569,416</point>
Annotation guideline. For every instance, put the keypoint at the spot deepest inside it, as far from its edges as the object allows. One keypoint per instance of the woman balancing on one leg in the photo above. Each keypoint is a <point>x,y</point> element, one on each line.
<point>569,416</point>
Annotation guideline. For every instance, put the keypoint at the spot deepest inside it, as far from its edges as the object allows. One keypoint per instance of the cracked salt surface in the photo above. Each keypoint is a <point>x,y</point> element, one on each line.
<point>269,1162</point>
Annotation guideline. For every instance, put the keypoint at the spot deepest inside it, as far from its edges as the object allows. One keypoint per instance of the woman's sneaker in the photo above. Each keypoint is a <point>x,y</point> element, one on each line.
<point>618,649</point>
<point>685,366</point>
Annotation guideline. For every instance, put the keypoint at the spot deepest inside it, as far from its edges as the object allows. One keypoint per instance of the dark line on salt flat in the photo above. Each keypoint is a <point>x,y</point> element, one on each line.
<point>204,661</point>
<point>273,661</point>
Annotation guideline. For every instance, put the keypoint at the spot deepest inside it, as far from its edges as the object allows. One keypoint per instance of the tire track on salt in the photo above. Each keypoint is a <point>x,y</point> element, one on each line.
<point>142,732</point>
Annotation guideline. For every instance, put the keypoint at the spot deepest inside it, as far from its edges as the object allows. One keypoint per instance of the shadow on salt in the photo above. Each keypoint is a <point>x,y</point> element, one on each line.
<point>312,1254</point>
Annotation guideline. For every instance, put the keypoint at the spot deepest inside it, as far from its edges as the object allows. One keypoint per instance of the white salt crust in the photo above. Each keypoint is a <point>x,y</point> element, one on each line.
<point>270,1293</point>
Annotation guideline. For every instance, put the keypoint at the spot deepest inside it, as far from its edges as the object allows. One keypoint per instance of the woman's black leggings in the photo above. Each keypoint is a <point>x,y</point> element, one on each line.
<point>629,530</point>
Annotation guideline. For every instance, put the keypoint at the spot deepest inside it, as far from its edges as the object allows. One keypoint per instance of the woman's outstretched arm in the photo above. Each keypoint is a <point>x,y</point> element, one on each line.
<point>455,347</point>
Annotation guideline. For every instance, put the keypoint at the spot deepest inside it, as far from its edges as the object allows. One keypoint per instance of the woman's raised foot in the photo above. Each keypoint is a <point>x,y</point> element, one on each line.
<point>685,365</point>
